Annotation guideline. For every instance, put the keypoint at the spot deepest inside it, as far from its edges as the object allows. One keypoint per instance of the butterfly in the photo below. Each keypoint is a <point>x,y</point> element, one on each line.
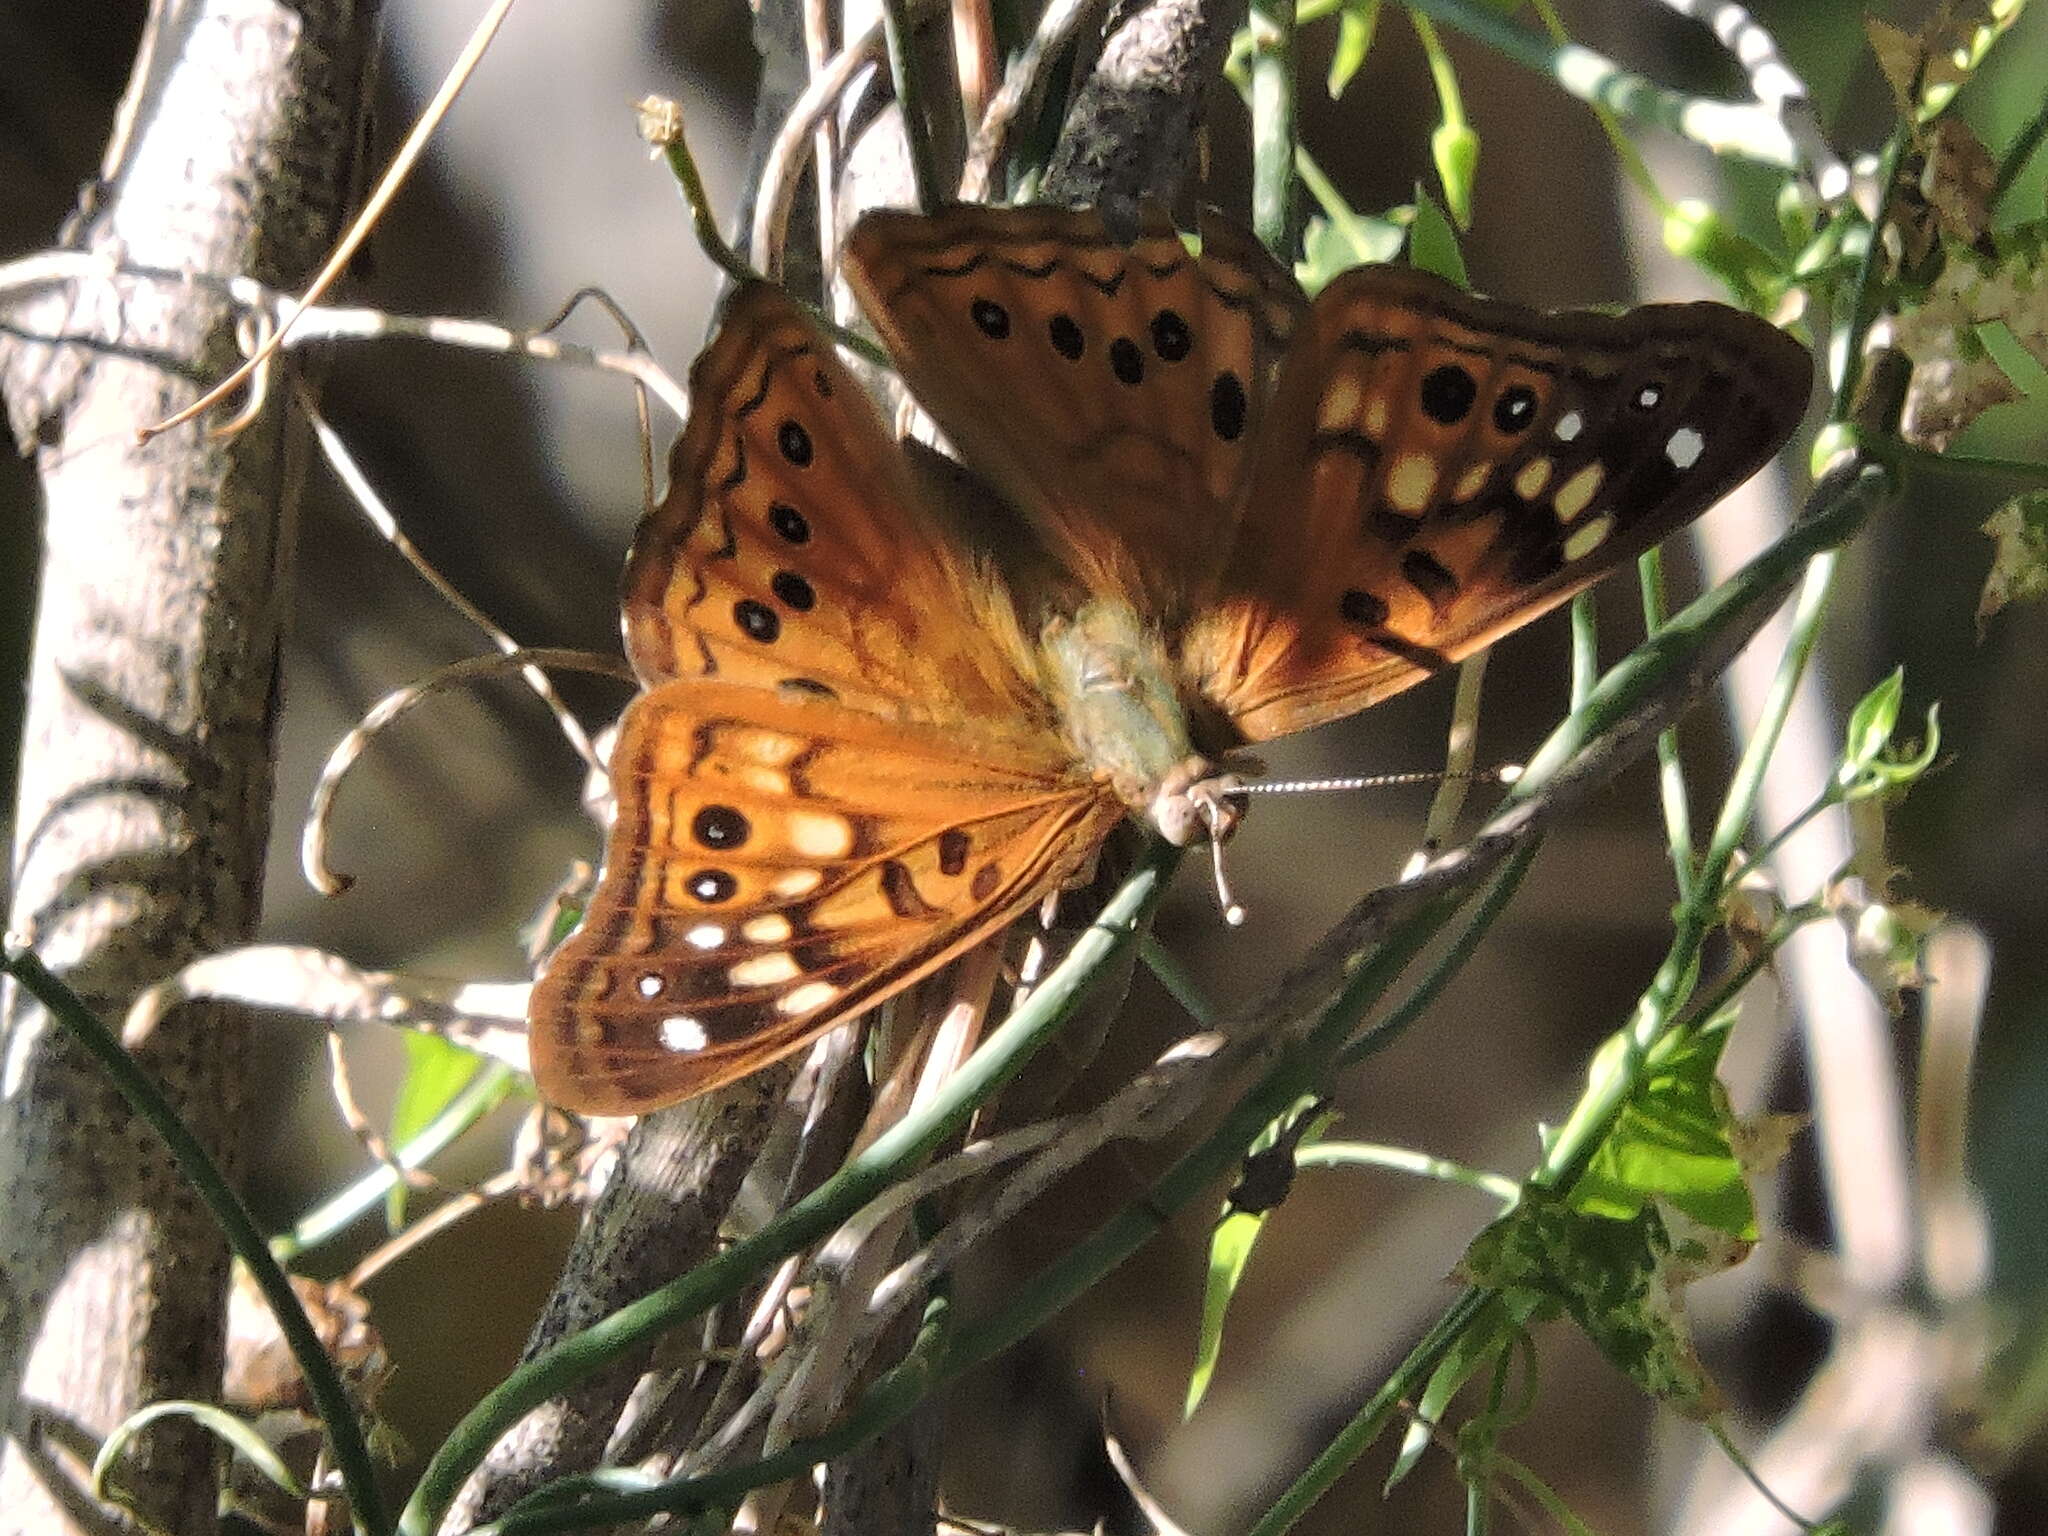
<point>870,737</point>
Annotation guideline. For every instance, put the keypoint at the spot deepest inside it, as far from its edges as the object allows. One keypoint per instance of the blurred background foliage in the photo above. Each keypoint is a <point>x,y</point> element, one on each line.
<point>522,485</point>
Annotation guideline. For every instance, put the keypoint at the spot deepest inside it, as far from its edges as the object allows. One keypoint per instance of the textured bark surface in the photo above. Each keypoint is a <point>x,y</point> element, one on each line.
<point>660,1213</point>
<point>146,763</point>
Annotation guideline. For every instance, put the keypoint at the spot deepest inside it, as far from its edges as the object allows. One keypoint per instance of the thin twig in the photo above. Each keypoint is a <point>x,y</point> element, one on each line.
<point>373,209</point>
<point>400,701</point>
<point>781,171</point>
<point>1023,89</point>
<point>372,506</point>
<point>330,1396</point>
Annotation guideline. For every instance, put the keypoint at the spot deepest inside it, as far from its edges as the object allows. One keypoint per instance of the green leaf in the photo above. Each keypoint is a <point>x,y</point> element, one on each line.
<point>1670,1143</point>
<point>1473,1349</point>
<point>1230,1245</point>
<point>1230,1249</point>
<point>1339,242</point>
<point>2018,364</point>
<point>1870,764</point>
<point>1355,26</point>
<point>1622,1282</point>
<point>1433,244</point>
<point>1695,231</point>
<point>435,1072</point>
<point>2019,562</point>
<point>1871,724</point>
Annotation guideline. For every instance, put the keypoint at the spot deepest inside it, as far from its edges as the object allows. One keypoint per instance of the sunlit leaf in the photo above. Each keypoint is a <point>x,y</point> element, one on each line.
<point>435,1071</point>
<point>1670,1143</point>
<point>1337,243</point>
<point>1433,244</point>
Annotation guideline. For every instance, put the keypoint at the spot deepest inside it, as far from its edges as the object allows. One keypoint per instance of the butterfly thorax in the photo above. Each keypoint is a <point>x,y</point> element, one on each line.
<point>1111,679</point>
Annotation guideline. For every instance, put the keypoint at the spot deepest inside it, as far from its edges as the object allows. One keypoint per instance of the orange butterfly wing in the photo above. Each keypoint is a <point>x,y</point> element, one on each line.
<point>1112,391</point>
<point>777,865</point>
<point>1438,469</point>
<point>843,772</point>
<point>793,552</point>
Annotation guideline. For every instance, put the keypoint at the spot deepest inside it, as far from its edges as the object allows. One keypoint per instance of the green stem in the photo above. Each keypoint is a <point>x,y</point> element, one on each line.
<point>1273,129</point>
<point>1585,666</point>
<point>884,1162</point>
<point>1172,973</point>
<point>1384,1033</point>
<point>330,1397</point>
<point>683,165</point>
<point>899,1390</point>
<point>1403,1386</point>
<point>1671,790</point>
<point>1745,130</point>
<point>1365,1154</point>
<point>479,1096</point>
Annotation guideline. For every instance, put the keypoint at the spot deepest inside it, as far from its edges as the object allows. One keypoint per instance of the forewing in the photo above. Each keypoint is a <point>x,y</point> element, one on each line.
<point>1110,390</point>
<point>791,551</point>
<point>778,865</point>
<point>1439,469</point>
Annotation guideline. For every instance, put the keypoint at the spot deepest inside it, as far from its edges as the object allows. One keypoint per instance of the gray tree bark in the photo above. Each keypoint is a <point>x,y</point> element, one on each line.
<point>146,761</point>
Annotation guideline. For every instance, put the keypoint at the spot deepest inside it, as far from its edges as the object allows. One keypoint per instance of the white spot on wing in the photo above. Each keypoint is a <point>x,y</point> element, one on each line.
<point>1569,426</point>
<point>705,936</point>
<point>812,994</point>
<point>1685,447</point>
<point>820,835</point>
<point>765,970</point>
<point>649,985</point>
<point>769,928</point>
<point>680,1032</point>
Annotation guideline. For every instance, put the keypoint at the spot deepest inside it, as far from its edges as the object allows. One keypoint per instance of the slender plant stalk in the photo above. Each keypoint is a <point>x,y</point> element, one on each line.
<point>1273,129</point>
<point>885,1161</point>
<point>478,1097</point>
<point>1671,790</point>
<point>330,1398</point>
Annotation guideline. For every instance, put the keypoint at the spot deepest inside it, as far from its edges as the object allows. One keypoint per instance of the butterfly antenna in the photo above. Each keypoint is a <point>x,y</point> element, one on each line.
<point>1506,773</point>
<point>1233,914</point>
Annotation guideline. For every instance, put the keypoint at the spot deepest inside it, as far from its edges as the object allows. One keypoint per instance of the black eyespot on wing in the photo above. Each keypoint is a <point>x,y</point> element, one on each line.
<point>1126,361</point>
<point>720,826</point>
<point>756,620</point>
<point>794,442</point>
<point>1228,406</point>
<point>1171,338</point>
<point>953,845</point>
<point>1515,409</point>
<point>1447,394</point>
<point>711,886</point>
<point>789,522</point>
<point>794,591</point>
<point>1066,337</point>
<point>1366,609</point>
<point>991,319</point>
